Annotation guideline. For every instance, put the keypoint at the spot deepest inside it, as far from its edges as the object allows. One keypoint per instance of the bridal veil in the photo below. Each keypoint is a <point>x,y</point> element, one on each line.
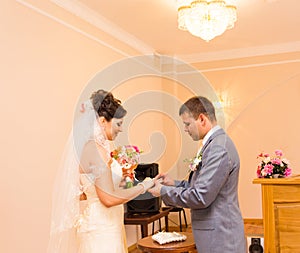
<point>66,193</point>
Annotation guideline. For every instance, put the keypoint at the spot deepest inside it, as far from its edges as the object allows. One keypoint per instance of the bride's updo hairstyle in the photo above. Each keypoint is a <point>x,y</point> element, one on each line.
<point>107,106</point>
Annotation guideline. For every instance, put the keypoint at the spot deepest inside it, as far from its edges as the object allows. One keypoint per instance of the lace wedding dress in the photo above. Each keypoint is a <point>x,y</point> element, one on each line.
<point>100,229</point>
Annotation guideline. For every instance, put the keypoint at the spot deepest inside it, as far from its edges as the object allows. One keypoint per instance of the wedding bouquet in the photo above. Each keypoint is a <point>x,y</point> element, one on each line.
<point>273,167</point>
<point>128,157</point>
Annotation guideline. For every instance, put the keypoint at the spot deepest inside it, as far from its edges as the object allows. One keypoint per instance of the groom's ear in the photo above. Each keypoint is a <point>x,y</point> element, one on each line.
<point>201,117</point>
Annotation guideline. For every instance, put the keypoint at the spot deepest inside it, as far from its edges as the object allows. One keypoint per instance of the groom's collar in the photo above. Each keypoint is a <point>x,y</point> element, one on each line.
<point>210,133</point>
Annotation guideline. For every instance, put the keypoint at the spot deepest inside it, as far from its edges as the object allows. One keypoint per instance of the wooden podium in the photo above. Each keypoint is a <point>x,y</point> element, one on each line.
<point>281,214</point>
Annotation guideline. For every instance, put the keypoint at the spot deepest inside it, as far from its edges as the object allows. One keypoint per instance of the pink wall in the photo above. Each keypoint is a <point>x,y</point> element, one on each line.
<point>262,116</point>
<point>44,67</point>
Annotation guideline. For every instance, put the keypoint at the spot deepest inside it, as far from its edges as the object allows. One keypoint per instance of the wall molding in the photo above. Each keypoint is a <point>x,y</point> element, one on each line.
<point>90,16</point>
<point>241,53</point>
<point>255,65</point>
<point>62,22</point>
<point>94,18</point>
<point>85,13</point>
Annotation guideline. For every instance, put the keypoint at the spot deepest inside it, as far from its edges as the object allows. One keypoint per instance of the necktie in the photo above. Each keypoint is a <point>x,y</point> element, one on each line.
<point>190,176</point>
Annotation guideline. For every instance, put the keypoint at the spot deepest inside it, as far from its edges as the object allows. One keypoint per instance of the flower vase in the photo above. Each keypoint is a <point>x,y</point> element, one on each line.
<point>278,176</point>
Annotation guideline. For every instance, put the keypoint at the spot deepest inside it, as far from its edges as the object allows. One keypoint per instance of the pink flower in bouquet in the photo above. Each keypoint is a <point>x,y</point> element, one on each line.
<point>288,172</point>
<point>127,155</point>
<point>278,153</point>
<point>270,166</point>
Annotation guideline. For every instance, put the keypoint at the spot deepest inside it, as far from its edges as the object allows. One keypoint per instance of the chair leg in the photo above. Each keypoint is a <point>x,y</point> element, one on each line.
<point>184,216</point>
<point>153,224</point>
<point>180,224</point>
<point>159,224</point>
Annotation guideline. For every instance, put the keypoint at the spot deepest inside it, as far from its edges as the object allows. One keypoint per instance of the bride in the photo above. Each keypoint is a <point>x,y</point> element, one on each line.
<point>87,210</point>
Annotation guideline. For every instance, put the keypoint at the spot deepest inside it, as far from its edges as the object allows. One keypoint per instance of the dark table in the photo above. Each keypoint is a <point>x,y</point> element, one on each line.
<point>143,219</point>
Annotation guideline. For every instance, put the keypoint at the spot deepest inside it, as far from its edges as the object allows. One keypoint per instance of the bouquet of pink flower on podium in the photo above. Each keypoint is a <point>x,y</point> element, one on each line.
<point>273,167</point>
<point>128,157</point>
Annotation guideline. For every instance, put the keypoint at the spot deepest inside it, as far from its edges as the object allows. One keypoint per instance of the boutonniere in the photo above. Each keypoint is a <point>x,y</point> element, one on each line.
<point>194,162</point>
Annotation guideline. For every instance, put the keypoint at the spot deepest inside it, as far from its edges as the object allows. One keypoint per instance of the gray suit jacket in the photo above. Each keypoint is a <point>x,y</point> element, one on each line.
<point>212,196</point>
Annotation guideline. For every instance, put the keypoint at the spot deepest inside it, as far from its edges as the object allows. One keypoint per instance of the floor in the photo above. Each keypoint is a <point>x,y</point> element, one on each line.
<point>253,228</point>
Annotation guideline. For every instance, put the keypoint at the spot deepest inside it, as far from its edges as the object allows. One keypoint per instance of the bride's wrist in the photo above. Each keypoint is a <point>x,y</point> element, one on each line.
<point>143,187</point>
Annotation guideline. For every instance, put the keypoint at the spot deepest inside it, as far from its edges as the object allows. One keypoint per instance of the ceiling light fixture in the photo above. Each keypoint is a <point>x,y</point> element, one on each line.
<point>206,18</point>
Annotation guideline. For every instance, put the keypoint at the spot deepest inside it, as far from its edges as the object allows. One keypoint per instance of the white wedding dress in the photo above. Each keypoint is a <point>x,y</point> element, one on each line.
<point>85,226</point>
<point>100,228</point>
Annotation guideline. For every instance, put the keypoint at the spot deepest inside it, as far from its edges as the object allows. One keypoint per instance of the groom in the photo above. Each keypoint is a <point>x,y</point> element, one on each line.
<point>212,189</point>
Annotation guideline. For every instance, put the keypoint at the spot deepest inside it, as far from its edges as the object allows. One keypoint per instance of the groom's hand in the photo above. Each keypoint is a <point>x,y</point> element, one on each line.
<point>155,190</point>
<point>165,179</point>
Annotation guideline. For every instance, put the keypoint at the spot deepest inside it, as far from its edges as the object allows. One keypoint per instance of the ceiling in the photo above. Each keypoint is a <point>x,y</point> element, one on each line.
<point>263,27</point>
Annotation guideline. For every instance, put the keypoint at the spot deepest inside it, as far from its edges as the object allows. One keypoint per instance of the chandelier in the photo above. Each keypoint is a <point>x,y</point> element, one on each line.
<point>206,18</point>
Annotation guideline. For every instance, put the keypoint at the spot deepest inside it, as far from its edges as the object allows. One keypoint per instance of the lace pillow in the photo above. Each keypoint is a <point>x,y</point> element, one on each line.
<point>167,237</point>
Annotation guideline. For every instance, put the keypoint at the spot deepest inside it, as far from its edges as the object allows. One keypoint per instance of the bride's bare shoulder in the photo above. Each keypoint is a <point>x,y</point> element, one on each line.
<point>90,146</point>
<point>92,156</point>
<point>95,152</point>
<point>89,152</point>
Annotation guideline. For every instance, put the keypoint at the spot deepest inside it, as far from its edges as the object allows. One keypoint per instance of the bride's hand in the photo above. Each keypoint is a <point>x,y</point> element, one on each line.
<point>147,184</point>
<point>122,183</point>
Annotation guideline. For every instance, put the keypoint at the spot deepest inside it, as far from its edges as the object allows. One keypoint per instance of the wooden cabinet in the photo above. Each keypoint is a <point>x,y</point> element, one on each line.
<point>281,214</point>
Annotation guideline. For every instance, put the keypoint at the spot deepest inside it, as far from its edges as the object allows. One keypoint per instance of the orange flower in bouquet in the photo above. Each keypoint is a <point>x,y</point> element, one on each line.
<point>128,157</point>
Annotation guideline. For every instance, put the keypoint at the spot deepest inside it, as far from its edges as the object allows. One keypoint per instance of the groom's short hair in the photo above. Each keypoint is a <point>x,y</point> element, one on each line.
<point>197,105</point>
